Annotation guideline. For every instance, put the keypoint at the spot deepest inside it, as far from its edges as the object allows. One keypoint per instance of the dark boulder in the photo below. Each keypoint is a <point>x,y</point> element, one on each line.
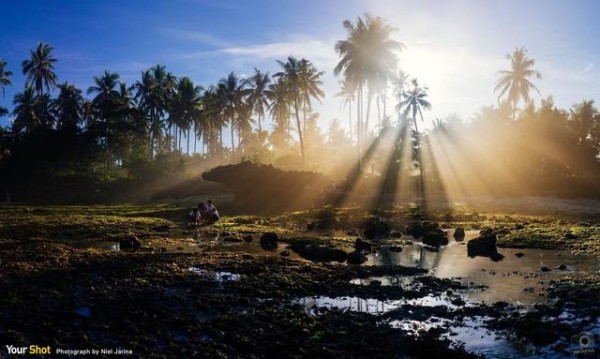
<point>163,228</point>
<point>361,245</point>
<point>285,253</point>
<point>376,228</point>
<point>318,253</point>
<point>484,246</point>
<point>459,234</point>
<point>519,254</point>
<point>130,243</point>
<point>418,229</point>
<point>435,238</point>
<point>570,236</point>
<point>395,249</point>
<point>248,239</point>
<point>268,240</point>
<point>545,269</point>
<point>232,239</point>
<point>356,258</point>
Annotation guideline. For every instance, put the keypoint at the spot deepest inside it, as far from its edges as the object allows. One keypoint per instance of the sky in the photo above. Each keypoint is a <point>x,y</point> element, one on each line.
<point>455,48</point>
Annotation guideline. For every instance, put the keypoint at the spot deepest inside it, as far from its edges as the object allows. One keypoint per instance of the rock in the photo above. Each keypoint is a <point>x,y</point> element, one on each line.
<point>395,234</point>
<point>130,242</point>
<point>519,226</point>
<point>163,228</point>
<point>459,234</point>
<point>395,249</point>
<point>356,258</point>
<point>268,240</point>
<point>545,269</point>
<point>232,239</point>
<point>285,253</point>
<point>248,239</point>
<point>310,226</point>
<point>562,267</point>
<point>570,236</point>
<point>375,283</point>
<point>484,246</point>
<point>435,238</point>
<point>317,253</point>
<point>361,245</point>
<point>162,249</point>
<point>225,234</point>
<point>376,228</point>
<point>519,254</point>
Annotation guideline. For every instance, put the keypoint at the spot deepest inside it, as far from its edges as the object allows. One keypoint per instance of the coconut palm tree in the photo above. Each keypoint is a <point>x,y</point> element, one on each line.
<point>25,111</point>
<point>303,82</point>
<point>4,76</point>
<point>367,57</point>
<point>347,95</point>
<point>415,100</point>
<point>257,96</point>
<point>39,70</point>
<point>213,104</point>
<point>68,107</point>
<point>515,83</point>
<point>231,89</point>
<point>279,108</point>
<point>184,106</point>
<point>582,118</point>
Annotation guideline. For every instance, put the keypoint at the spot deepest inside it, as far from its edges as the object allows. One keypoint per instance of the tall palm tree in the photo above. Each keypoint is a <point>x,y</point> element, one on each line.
<point>279,108</point>
<point>302,80</point>
<point>515,83</point>
<point>68,107</point>
<point>583,116</point>
<point>257,96</point>
<point>415,99</point>
<point>214,119</point>
<point>4,76</point>
<point>231,89</point>
<point>347,95</point>
<point>39,70</point>
<point>25,111</point>
<point>310,80</point>
<point>184,106</point>
<point>367,57</point>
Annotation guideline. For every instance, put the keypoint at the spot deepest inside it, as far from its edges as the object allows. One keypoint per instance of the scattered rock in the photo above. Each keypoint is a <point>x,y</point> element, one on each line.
<point>570,236</point>
<point>285,253</point>
<point>519,226</point>
<point>484,246</point>
<point>268,240</point>
<point>562,267</point>
<point>376,228</point>
<point>310,226</point>
<point>395,249</point>
<point>459,234</point>
<point>395,234</point>
<point>435,238</point>
<point>519,254</point>
<point>318,253</point>
<point>545,269</point>
<point>361,245</point>
<point>353,232</point>
<point>248,239</point>
<point>356,258</point>
<point>130,242</point>
<point>232,239</point>
<point>375,283</point>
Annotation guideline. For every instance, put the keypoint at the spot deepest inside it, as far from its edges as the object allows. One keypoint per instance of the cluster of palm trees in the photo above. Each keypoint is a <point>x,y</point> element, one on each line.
<point>164,110</point>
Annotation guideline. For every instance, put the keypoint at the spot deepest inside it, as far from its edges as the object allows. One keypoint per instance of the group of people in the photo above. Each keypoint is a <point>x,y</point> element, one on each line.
<point>204,213</point>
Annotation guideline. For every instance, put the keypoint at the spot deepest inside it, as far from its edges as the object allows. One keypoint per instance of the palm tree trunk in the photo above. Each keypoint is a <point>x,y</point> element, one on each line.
<point>369,98</point>
<point>299,129</point>
<point>232,140</point>
<point>350,119</point>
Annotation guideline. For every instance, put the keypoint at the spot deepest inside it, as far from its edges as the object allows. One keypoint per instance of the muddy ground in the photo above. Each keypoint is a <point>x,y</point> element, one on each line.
<point>163,300</point>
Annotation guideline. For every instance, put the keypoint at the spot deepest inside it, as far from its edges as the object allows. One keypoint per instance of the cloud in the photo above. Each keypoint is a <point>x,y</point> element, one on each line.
<point>196,36</point>
<point>589,67</point>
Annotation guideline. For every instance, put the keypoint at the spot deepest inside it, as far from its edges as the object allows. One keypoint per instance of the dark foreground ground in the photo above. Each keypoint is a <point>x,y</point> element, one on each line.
<point>165,301</point>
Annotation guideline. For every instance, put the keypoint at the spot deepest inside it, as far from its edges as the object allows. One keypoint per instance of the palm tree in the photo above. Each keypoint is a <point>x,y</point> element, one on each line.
<point>347,95</point>
<point>279,108</point>
<point>583,116</point>
<point>184,106</point>
<point>40,69</point>
<point>213,104</point>
<point>25,111</point>
<point>514,83</point>
<point>414,101</point>
<point>367,57</point>
<point>68,107</point>
<point>231,89</point>
<point>257,96</point>
<point>303,82</point>
<point>153,94</point>
<point>4,76</point>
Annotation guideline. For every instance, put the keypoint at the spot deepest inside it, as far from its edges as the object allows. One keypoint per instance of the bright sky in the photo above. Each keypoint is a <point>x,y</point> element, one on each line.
<point>454,48</point>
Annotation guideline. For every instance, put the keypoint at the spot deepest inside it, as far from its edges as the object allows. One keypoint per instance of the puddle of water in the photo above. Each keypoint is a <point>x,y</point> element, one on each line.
<point>506,280</point>
<point>220,277</point>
